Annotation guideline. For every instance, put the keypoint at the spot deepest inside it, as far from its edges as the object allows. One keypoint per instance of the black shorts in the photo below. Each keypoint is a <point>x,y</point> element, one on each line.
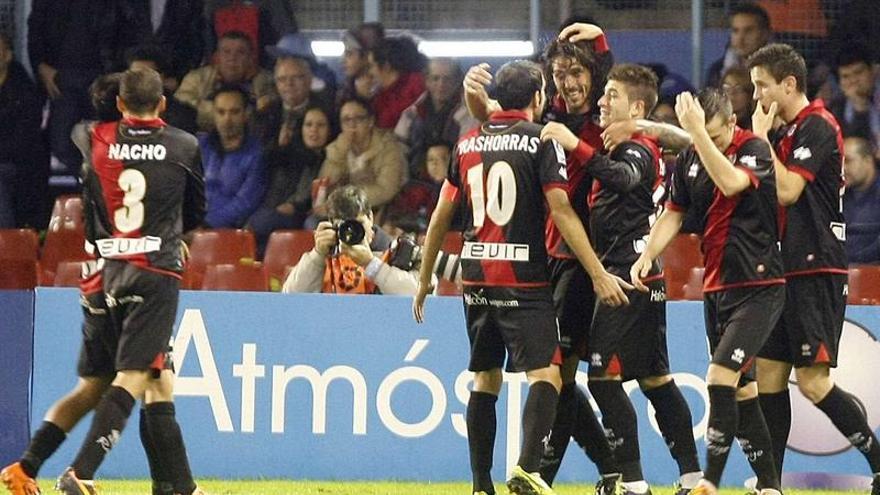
<point>630,340</point>
<point>738,322</point>
<point>98,351</point>
<point>142,306</point>
<point>519,321</point>
<point>574,300</point>
<point>809,331</point>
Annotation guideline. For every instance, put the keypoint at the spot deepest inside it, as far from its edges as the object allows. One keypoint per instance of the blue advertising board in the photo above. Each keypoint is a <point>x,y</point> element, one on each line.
<point>16,335</point>
<point>330,387</point>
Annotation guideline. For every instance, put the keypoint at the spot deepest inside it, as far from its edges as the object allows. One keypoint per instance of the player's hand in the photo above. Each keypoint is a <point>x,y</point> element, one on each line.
<point>609,289</point>
<point>476,80</point>
<point>618,132</point>
<point>325,238</point>
<point>48,75</point>
<point>557,131</point>
<point>640,270</point>
<point>359,253</point>
<point>418,305</point>
<point>580,31</point>
<point>690,113</point>
<point>184,251</point>
<point>763,121</point>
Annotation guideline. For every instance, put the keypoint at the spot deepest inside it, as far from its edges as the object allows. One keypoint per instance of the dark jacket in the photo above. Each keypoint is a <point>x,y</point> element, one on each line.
<point>21,110</point>
<point>72,34</point>
<point>235,181</point>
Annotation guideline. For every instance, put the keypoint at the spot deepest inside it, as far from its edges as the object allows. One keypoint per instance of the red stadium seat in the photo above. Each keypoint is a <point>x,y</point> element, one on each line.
<point>236,276</point>
<point>284,249</point>
<point>68,274</point>
<point>19,244</point>
<point>214,247</point>
<point>67,213</point>
<point>18,274</point>
<point>60,245</point>
<point>682,254</point>
<point>693,289</point>
<point>864,285</point>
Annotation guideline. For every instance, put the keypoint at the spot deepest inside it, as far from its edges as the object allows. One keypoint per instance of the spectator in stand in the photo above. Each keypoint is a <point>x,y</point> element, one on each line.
<point>365,156</point>
<point>176,113</point>
<point>858,109</point>
<point>749,30</point>
<point>234,67</point>
<point>412,208</point>
<point>737,85</point>
<point>23,167</point>
<point>70,43</point>
<point>396,65</point>
<point>861,202</point>
<point>289,196</point>
<point>358,42</point>
<point>175,26</point>
<point>296,45</point>
<point>438,114</point>
<point>235,176</point>
<point>245,16</point>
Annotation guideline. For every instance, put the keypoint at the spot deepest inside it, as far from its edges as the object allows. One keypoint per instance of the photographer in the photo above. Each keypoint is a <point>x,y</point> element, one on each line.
<point>352,257</point>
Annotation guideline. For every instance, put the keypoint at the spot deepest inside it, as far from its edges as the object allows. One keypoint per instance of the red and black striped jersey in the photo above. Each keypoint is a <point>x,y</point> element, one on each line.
<point>814,230</point>
<point>628,191</point>
<point>740,233</point>
<point>142,189</point>
<point>499,173</point>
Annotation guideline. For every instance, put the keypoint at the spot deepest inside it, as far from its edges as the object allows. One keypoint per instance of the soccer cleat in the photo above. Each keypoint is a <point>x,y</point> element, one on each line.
<point>480,493</point>
<point>630,492</point>
<point>609,485</point>
<point>677,489</point>
<point>69,484</point>
<point>875,485</point>
<point>770,491</point>
<point>704,488</point>
<point>17,481</point>
<point>523,483</point>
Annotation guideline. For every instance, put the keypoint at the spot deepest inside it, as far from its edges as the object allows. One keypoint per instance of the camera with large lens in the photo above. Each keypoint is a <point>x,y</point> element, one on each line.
<point>350,232</point>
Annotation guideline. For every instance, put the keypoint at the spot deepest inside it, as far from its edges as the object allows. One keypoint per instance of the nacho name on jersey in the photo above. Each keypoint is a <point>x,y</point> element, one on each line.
<point>501,142</point>
<point>124,151</point>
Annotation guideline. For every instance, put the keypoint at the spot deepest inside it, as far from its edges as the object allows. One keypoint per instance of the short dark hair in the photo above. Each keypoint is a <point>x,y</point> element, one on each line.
<point>103,92</point>
<point>516,83</point>
<point>641,81</point>
<point>141,90</point>
<point>360,101</point>
<point>781,61</point>
<point>864,147</point>
<point>400,52</point>
<point>235,89</point>
<point>715,104</point>
<point>347,202</point>
<point>456,68</point>
<point>853,53</point>
<point>148,53</point>
<point>752,9</point>
<point>236,35</point>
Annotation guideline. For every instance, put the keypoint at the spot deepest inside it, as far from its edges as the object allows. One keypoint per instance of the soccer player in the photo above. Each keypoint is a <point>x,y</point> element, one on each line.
<point>577,72</point>
<point>143,187</point>
<point>630,342</point>
<point>726,181</point>
<point>808,161</point>
<point>502,173</point>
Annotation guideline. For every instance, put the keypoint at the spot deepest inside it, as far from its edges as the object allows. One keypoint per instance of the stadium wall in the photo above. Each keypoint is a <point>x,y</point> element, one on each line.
<point>344,388</point>
<point>16,354</point>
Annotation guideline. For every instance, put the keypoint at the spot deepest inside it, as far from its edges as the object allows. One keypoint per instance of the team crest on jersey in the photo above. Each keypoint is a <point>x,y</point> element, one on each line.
<point>695,168</point>
<point>560,153</point>
<point>802,153</point>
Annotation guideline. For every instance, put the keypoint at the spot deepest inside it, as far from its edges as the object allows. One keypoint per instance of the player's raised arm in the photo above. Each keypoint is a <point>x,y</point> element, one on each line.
<point>475,96</point>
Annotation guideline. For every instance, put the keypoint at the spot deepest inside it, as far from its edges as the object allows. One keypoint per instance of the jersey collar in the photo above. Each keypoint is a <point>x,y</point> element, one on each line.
<point>136,122</point>
<point>509,115</point>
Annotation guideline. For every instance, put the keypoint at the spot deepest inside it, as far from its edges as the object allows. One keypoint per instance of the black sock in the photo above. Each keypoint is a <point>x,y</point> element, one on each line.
<point>621,427</point>
<point>560,434</point>
<point>590,436</point>
<point>754,438</point>
<point>161,479</point>
<point>165,432</point>
<point>676,425</point>
<point>849,418</point>
<point>111,414</point>
<point>723,421</point>
<point>44,443</point>
<point>776,408</point>
<point>481,426</point>
<point>538,416</point>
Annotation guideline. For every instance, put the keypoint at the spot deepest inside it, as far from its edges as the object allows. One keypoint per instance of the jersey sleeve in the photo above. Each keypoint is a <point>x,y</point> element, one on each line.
<point>552,166</point>
<point>812,145</point>
<point>623,169</point>
<point>679,195</point>
<point>755,160</point>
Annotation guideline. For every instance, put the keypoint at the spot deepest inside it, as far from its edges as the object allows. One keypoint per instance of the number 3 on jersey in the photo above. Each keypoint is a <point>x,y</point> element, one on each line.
<point>130,216</point>
<point>500,189</point>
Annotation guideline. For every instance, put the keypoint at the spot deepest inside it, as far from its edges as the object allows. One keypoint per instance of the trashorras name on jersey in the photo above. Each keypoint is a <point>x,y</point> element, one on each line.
<point>124,151</point>
<point>495,251</point>
<point>500,142</point>
<point>478,299</point>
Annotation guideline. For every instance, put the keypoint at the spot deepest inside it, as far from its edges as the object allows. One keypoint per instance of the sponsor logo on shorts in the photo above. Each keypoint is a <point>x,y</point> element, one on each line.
<point>495,251</point>
<point>478,299</point>
<point>806,350</point>
<point>658,295</point>
<point>596,360</point>
<point>738,355</point>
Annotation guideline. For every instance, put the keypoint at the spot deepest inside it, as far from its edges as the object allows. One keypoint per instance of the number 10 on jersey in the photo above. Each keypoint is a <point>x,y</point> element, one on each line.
<point>500,188</point>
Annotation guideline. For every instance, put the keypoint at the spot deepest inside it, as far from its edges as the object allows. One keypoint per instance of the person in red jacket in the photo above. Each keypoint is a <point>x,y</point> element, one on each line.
<point>396,65</point>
